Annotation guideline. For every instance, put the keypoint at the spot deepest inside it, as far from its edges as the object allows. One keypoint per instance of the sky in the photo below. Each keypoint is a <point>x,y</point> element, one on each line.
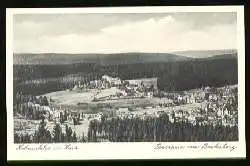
<point>124,32</point>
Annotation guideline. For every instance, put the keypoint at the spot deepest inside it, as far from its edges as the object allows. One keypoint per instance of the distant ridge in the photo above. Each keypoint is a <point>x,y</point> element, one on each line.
<point>103,59</point>
<point>205,53</point>
<point>119,58</point>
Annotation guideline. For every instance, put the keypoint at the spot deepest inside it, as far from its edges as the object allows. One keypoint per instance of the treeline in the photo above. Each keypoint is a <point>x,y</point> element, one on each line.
<point>178,75</point>
<point>20,98</point>
<point>159,129</point>
<point>197,74</point>
<point>29,106</point>
<point>42,88</point>
<point>43,135</point>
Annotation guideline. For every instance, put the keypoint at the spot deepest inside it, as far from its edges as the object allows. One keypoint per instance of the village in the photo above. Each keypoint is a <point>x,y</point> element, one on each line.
<point>124,99</point>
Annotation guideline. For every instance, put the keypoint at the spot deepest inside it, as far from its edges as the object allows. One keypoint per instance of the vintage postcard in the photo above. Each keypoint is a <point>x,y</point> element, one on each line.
<point>125,83</point>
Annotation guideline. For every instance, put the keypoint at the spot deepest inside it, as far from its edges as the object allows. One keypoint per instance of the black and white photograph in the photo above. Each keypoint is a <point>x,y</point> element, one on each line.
<point>125,77</point>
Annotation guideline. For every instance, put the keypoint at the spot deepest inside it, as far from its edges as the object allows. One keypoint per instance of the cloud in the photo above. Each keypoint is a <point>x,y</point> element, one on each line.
<point>154,34</point>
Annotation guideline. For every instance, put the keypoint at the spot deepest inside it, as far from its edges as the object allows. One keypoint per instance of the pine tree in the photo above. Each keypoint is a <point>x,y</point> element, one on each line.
<point>65,115</point>
<point>74,138</point>
<point>57,131</point>
<point>16,138</point>
<point>45,101</point>
<point>68,134</point>
<point>43,134</point>
<point>40,100</point>
<point>61,117</point>
<point>83,139</point>
<point>26,138</point>
<point>63,137</point>
<point>48,136</point>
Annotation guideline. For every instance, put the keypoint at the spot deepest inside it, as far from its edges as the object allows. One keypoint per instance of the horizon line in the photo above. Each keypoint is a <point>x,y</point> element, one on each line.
<point>176,51</point>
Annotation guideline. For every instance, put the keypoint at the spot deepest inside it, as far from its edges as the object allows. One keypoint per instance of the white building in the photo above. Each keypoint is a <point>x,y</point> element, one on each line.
<point>111,80</point>
<point>179,98</point>
<point>150,94</point>
<point>147,82</point>
<point>122,111</point>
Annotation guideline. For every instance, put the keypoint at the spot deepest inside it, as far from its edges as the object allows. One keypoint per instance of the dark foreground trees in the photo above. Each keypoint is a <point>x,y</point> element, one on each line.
<point>43,135</point>
<point>158,129</point>
<point>151,129</point>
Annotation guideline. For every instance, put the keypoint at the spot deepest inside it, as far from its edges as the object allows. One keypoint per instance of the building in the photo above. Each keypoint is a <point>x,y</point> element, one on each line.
<point>121,111</point>
<point>113,81</point>
<point>211,96</point>
<point>145,82</point>
<point>150,94</point>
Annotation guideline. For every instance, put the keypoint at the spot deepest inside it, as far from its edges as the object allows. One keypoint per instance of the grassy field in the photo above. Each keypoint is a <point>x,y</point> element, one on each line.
<point>82,101</point>
<point>68,100</point>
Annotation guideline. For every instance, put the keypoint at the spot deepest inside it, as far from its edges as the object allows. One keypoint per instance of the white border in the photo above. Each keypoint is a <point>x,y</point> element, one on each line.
<point>91,151</point>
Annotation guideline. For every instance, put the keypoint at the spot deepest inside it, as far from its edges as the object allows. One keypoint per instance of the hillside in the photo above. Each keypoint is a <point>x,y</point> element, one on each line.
<point>172,75</point>
<point>205,53</point>
<point>102,59</point>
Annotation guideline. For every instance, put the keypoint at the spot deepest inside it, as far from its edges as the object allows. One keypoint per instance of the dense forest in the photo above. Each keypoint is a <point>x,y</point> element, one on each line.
<point>101,59</point>
<point>151,129</point>
<point>195,74</point>
<point>158,129</point>
<point>172,75</point>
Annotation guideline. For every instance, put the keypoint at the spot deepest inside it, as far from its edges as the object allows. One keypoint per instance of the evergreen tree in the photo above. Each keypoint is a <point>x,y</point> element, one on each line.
<point>74,138</point>
<point>40,100</point>
<point>26,138</point>
<point>65,115</point>
<point>16,138</point>
<point>61,117</point>
<point>83,139</point>
<point>68,134</point>
<point>45,101</point>
<point>57,131</point>
<point>43,134</point>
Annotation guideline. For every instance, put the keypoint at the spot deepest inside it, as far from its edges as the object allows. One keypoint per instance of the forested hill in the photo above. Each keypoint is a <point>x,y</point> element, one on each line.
<point>224,56</point>
<point>101,59</point>
<point>205,53</point>
<point>181,74</point>
<point>214,71</point>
